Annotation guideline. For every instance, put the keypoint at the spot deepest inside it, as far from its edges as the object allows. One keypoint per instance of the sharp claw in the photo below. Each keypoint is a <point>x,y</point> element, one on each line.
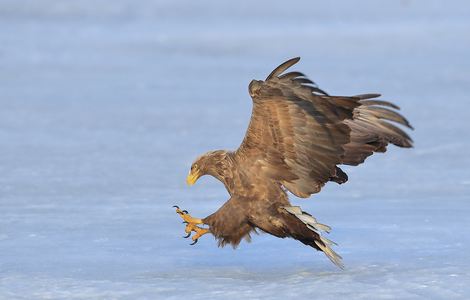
<point>176,206</point>
<point>189,234</point>
<point>193,243</point>
<point>185,211</point>
<point>185,222</point>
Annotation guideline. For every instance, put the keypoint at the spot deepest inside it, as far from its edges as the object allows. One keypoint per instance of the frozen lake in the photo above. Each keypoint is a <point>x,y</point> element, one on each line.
<point>106,104</point>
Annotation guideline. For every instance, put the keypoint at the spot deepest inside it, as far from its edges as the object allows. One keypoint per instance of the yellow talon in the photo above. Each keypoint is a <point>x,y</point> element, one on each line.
<point>187,218</point>
<point>199,232</point>
<point>191,225</point>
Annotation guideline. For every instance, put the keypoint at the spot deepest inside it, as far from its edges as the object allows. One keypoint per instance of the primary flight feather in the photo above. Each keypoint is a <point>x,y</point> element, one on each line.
<point>297,138</point>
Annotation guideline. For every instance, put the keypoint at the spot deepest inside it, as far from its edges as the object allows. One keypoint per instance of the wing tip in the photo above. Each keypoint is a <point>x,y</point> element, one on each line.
<point>282,67</point>
<point>297,58</point>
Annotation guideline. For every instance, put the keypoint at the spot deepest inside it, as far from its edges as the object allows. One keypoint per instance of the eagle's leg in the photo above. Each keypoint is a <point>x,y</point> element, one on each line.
<point>191,225</point>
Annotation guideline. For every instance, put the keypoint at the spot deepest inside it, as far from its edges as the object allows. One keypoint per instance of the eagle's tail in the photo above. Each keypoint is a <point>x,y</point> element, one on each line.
<point>310,233</point>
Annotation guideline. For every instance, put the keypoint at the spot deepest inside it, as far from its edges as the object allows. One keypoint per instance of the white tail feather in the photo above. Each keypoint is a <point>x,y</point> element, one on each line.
<point>327,241</point>
<point>307,219</point>
<point>295,210</point>
<point>332,255</point>
<point>312,224</point>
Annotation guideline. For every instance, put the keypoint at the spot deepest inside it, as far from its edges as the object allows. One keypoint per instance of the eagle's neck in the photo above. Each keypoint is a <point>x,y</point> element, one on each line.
<point>223,170</point>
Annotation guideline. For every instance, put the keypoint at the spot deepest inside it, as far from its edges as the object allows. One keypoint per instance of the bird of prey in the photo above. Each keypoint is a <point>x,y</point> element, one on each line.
<point>297,138</point>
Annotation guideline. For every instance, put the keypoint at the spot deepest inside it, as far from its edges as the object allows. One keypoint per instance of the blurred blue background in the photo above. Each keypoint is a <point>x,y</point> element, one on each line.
<point>104,105</point>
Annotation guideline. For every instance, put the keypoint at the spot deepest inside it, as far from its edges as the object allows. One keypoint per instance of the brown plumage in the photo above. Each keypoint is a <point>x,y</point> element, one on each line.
<point>297,138</point>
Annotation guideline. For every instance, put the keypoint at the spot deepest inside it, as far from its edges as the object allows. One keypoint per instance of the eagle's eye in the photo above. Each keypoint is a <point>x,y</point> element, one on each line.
<point>194,167</point>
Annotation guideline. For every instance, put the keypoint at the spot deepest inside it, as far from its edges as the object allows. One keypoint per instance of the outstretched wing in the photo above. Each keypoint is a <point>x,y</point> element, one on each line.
<point>298,134</point>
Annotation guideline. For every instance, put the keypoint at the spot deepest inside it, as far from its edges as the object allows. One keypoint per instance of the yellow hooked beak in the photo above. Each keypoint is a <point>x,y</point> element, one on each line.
<point>193,176</point>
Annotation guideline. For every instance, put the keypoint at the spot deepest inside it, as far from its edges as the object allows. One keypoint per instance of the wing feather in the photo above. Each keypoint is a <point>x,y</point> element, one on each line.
<point>373,128</point>
<point>282,67</point>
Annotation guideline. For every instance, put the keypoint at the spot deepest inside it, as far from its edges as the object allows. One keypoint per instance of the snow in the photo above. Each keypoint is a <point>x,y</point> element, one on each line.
<point>106,104</point>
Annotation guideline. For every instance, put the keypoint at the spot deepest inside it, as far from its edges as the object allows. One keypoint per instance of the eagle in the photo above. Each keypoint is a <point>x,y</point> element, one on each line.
<point>296,141</point>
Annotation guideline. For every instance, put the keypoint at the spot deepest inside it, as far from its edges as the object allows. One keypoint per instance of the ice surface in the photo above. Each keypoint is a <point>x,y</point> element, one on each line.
<point>104,104</point>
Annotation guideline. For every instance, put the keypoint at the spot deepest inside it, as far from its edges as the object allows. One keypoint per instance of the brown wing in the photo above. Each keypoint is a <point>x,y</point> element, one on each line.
<point>296,132</point>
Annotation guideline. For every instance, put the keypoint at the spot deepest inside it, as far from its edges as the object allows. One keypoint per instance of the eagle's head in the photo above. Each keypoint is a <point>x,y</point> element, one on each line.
<point>211,163</point>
